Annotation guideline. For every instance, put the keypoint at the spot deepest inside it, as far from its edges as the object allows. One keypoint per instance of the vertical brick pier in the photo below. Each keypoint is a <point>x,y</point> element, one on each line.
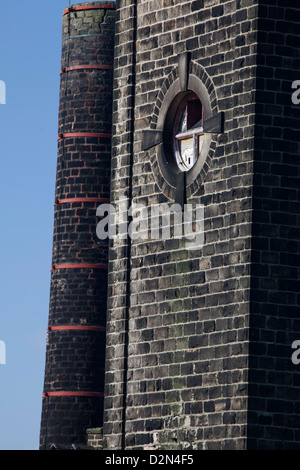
<point>74,370</point>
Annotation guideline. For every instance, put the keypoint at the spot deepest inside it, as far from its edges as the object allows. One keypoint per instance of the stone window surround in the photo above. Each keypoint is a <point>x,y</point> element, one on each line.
<point>187,76</point>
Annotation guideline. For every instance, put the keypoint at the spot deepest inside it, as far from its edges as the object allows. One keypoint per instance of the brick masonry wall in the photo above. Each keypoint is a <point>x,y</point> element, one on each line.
<point>95,438</point>
<point>178,320</point>
<point>273,379</point>
<point>76,345</point>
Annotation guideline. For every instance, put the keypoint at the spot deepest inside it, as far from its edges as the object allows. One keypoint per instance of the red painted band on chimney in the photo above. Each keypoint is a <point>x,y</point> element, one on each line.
<point>83,134</point>
<point>76,328</point>
<point>79,266</point>
<point>86,67</point>
<point>73,394</point>
<point>89,7</point>
<point>82,199</point>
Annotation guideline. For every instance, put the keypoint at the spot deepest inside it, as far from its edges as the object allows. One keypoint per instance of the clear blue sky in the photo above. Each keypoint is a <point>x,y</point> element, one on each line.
<point>30,52</point>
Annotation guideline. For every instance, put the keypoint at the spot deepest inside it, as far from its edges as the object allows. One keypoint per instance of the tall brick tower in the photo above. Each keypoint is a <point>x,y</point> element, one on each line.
<point>198,335</point>
<point>74,371</point>
<point>199,341</point>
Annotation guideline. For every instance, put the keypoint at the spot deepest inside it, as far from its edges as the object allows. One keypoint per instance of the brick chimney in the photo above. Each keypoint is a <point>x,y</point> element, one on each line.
<point>75,356</point>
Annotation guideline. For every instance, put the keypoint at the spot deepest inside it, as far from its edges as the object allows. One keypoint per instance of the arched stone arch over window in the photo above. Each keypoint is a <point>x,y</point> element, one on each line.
<point>180,156</point>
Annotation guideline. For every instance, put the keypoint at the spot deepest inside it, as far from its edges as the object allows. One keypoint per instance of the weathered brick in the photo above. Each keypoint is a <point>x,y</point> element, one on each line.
<point>223,287</point>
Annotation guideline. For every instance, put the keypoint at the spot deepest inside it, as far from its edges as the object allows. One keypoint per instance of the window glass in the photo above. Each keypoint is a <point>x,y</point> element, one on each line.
<point>188,131</point>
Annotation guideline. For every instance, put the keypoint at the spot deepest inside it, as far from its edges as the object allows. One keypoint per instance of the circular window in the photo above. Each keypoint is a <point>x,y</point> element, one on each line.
<point>182,130</point>
<point>183,136</point>
<point>188,131</point>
